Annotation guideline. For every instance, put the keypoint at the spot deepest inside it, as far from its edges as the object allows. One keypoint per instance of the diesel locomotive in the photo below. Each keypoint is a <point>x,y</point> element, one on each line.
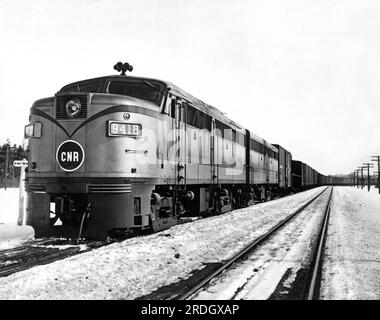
<point>119,153</point>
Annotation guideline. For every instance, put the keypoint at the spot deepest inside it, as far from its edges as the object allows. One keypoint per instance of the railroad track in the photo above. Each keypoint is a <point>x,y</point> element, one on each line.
<point>187,219</point>
<point>311,289</point>
<point>314,279</point>
<point>42,251</point>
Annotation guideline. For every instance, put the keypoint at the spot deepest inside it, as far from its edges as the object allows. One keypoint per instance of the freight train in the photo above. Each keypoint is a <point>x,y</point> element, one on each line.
<point>118,153</point>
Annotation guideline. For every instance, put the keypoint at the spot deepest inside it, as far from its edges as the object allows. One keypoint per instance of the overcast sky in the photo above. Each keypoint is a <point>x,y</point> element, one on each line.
<point>301,73</point>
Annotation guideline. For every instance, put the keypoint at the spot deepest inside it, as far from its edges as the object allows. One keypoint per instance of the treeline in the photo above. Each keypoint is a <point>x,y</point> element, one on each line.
<point>9,174</point>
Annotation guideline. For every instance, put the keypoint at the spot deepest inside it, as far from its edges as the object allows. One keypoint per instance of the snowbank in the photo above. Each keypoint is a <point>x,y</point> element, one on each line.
<point>11,235</point>
<point>9,203</point>
<point>351,268</point>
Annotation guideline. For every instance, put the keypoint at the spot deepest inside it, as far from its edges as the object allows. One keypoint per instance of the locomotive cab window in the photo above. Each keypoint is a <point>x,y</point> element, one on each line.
<point>87,86</point>
<point>178,115</point>
<point>167,105</point>
<point>207,122</point>
<point>192,116</point>
<point>142,90</point>
<point>172,108</point>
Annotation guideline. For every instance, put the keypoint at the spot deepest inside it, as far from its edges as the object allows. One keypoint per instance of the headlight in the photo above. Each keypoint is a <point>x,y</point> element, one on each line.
<point>73,107</point>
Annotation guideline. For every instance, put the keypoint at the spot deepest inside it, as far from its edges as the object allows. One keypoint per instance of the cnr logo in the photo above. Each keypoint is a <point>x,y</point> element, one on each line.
<point>70,155</point>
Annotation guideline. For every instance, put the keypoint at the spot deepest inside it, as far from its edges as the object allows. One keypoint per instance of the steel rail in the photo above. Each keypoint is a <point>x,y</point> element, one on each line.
<point>244,251</point>
<point>312,292</point>
<point>28,244</point>
<point>32,255</point>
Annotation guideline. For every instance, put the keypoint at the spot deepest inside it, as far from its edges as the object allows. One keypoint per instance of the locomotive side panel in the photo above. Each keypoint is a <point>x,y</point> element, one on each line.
<point>284,169</point>
<point>272,164</point>
<point>238,172</point>
<point>205,157</point>
<point>281,166</point>
<point>288,171</point>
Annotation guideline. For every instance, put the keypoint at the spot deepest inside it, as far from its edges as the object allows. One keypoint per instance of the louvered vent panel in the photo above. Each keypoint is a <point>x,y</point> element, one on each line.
<point>109,188</point>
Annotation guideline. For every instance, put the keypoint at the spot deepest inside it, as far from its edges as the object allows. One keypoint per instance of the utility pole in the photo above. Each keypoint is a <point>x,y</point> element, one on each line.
<point>357,178</point>
<point>377,159</point>
<point>368,165</point>
<point>376,175</point>
<point>6,167</point>
<point>361,177</point>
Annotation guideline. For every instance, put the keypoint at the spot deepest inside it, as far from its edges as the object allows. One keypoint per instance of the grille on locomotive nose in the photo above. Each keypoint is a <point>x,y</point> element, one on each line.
<point>61,101</point>
<point>109,188</point>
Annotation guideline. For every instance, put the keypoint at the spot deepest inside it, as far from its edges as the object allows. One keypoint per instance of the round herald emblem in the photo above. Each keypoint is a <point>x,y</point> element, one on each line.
<point>70,155</point>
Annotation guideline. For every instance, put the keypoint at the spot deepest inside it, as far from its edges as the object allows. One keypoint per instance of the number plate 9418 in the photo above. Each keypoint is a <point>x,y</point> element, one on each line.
<point>124,129</point>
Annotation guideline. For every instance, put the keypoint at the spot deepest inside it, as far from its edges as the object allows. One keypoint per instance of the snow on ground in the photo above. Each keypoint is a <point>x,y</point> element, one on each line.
<point>279,259</point>
<point>140,265</point>
<point>351,268</point>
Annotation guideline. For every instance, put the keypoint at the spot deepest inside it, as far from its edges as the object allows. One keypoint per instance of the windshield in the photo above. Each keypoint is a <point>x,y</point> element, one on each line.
<point>88,86</point>
<point>147,90</point>
<point>150,90</point>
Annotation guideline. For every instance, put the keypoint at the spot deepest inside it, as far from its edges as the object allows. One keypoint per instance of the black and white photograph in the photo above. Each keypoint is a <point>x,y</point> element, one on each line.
<point>210,151</point>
